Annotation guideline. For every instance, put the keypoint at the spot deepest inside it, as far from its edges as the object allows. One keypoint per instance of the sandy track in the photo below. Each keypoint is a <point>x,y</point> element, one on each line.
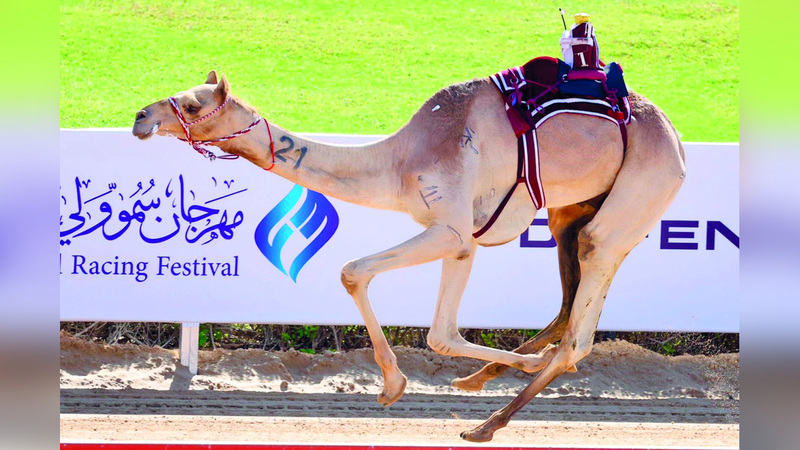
<point>622,395</point>
<point>208,416</point>
<point>411,406</point>
<point>390,431</point>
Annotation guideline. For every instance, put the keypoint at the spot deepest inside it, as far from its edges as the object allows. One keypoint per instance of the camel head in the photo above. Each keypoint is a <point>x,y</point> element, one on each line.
<point>194,104</point>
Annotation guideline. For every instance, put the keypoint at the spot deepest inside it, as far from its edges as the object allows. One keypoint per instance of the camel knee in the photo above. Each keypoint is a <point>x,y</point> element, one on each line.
<point>596,246</point>
<point>588,244</point>
<point>463,253</point>
<point>459,248</point>
<point>441,343</point>
<point>355,276</point>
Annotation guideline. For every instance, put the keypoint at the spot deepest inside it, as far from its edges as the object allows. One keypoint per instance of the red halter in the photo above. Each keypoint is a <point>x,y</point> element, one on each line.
<point>198,145</point>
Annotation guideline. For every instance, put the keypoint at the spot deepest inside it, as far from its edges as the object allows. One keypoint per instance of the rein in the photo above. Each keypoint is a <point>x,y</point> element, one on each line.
<point>198,144</point>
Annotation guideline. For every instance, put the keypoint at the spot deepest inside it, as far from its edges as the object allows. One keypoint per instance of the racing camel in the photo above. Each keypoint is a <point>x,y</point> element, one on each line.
<point>450,168</point>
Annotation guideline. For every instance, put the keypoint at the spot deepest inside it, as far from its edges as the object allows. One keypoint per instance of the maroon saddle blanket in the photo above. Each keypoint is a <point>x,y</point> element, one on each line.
<point>545,87</point>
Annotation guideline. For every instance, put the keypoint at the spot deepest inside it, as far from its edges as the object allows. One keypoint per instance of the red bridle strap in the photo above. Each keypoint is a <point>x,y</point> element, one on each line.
<point>271,145</point>
<point>198,144</point>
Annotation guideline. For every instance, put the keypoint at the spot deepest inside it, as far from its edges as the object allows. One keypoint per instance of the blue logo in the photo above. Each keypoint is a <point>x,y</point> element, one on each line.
<point>315,216</point>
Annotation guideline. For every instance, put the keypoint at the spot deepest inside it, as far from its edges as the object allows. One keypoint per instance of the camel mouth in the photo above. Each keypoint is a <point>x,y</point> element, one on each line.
<point>149,133</point>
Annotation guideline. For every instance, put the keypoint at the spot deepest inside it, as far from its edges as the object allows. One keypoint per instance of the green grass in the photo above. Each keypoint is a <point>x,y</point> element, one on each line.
<point>365,67</point>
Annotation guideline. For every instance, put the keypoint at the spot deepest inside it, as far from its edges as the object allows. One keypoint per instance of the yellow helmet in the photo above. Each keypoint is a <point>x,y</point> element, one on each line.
<point>581,18</point>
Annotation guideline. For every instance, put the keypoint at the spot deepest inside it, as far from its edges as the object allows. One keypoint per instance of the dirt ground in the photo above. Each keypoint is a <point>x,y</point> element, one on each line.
<point>622,395</point>
<point>329,431</point>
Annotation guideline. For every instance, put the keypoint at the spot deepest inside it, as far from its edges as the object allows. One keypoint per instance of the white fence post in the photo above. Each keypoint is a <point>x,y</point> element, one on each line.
<point>190,341</point>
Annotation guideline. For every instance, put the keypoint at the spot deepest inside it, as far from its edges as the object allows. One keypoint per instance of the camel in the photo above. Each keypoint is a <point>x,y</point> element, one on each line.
<point>449,168</point>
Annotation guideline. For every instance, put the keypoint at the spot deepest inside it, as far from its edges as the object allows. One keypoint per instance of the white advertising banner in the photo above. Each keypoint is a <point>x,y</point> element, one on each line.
<point>151,231</point>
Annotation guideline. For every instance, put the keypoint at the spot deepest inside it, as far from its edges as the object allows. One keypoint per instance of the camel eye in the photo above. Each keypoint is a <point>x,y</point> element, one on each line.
<point>192,109</point>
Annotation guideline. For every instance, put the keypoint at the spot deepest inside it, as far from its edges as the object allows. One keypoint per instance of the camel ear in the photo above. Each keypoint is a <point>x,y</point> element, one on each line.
<point>212,77</point>
<point>222,88</point>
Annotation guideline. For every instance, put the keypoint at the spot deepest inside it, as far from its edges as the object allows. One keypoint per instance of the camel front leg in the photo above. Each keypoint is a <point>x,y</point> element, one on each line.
<point>444,337</point>
<point>434,243</point>
<point>565,224</point>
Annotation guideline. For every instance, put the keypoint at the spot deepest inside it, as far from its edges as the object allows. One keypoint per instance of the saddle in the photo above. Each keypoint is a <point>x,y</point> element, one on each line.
<point>543,88</point>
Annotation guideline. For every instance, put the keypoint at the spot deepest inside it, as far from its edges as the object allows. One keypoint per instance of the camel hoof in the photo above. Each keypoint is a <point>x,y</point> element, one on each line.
<point>477,435</point>
<point>386,399</point>
<point>469,384</point>
<point>573,369</point>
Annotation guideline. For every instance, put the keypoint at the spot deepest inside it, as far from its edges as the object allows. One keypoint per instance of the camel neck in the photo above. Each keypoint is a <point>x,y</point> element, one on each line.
<point>356,174</point>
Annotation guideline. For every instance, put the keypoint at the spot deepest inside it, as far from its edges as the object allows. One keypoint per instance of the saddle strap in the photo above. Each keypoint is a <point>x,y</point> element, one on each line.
<point>623,130</point>
<point>520,179</point>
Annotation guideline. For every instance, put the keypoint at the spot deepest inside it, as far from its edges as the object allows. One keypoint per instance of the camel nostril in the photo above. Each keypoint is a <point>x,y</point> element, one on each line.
<point>141,115</point>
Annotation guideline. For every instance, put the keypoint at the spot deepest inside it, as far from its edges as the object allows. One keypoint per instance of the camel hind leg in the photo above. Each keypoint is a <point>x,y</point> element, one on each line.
<point>647,183</point>
<point>565,224</point>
